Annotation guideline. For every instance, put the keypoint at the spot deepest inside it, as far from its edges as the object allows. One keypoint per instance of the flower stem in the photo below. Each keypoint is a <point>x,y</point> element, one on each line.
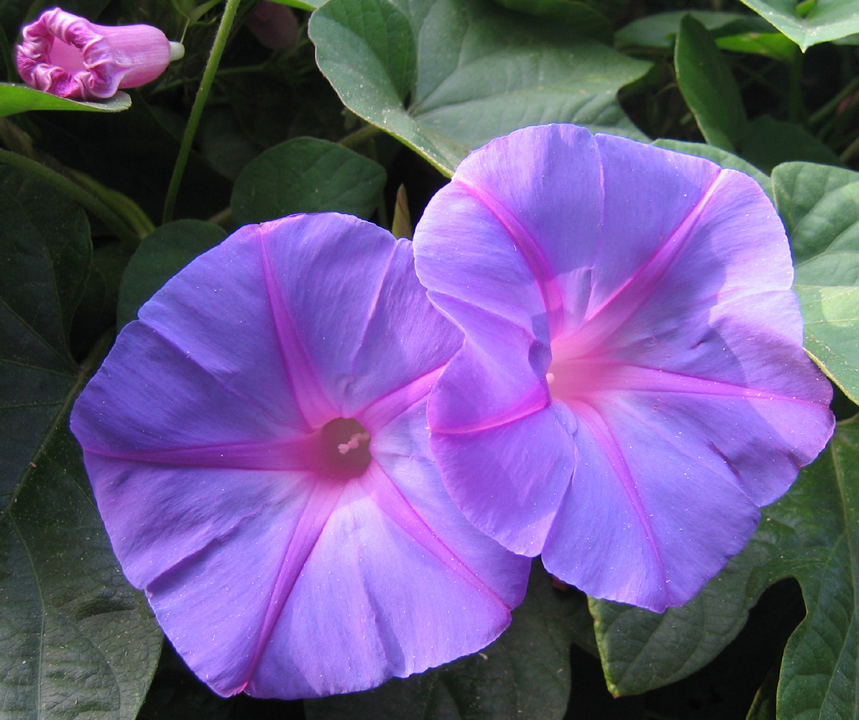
<point>850,151</point>
<point>834,103</point>
<point>795,107</point>
<point>8,62</point>
<point>197,110</point>
<point>360,136</point>
<point>85,198</point>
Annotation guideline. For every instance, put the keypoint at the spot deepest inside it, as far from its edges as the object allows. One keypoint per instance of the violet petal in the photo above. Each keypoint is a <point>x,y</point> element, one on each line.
<point>275,564</point>
<point>615,277</point>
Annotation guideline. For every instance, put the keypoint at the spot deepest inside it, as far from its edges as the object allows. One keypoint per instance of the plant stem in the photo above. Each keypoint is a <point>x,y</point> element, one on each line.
<point>851,149</point>
<point>114,223</point>
<point>360,136</point>
<point>197,109</point>
<point>8,61</point>
<point>794,98</point>
<point>834,103</point>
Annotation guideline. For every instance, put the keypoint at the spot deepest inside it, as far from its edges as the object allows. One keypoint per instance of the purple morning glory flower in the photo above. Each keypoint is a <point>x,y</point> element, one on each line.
<point>632,385</point>
<point>258,448</point>
<point>69,56</point>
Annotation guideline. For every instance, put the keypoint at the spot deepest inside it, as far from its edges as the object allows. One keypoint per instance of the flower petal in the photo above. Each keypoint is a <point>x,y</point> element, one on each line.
<point>500,307</point>
<point>674,292</point>
<point>340,587</point>
<point>203,436</point>
<point>382,595</point>
<point>201,368</point>
<point>653,538</point>
<point>381,333</point>
<point>509,480</point>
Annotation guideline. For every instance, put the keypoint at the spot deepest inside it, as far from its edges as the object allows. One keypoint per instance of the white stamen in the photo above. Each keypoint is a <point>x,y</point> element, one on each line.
<point>550,378</point>
<point>353,443</point>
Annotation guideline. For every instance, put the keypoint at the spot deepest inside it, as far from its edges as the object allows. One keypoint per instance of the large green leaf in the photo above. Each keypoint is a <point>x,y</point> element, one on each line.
<point>731,31</point>
<point>523,674</point>
<point>22,98</point>
<point>708,87</point>
<point>660,29</point>
<point>159,257</point>
<point>827,20</point>
<point>586,21</point>
<point>811,534</point>
<point>641,650</point>
<point>768,142</point>
<point>817,532</point>
<point>307,175</point>
<point>74,637</point>
<point>820,208</point>
<point>447,76</point>
<point>713,96</point>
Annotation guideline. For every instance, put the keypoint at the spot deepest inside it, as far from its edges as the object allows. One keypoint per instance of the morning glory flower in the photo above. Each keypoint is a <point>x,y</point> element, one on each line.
<point>258,448</point>
<point>69,56</point>
<point>632,385</point>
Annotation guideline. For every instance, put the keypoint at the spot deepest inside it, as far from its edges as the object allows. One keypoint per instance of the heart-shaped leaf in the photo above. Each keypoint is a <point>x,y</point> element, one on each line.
<point>820,207</point>
<point>447,76</point>
<point>586,21</point>
<point>826,19</point>
<point>74,636</point>
<point>307,175</point>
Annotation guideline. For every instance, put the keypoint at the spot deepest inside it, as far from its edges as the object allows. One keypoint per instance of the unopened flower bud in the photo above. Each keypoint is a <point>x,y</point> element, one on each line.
<point>69,56</point>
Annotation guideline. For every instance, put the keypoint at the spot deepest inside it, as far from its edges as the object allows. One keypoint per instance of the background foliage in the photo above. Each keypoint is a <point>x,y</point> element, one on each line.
<point>373,96</point>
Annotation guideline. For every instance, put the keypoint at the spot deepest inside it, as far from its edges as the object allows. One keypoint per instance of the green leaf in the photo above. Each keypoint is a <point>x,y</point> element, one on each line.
<point>707,85</point>
<point>811,534</point>
<point>642,650</point>
<point>160,256</point>
<point>22,98</point>
<point>447,76</point>
<point>307,175</point>
<point>74,637</point>
<point>773,45</point>
<point>525,673</point>
<point>586,21</point>
<point>827,19</point>
<point>660,29</point>
<point>819,527</point>
<point>764,704</point>
<point>767,142</point>
<point>820,208</point>
<point>731,31</point>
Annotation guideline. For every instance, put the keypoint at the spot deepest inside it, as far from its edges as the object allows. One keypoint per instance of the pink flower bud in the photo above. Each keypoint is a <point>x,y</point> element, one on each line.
<point>69,56</point>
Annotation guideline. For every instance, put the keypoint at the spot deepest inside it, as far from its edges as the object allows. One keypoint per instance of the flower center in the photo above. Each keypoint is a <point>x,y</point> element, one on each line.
<point>573,378</point>
<point>66,56</point>
<point>346,446</point>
